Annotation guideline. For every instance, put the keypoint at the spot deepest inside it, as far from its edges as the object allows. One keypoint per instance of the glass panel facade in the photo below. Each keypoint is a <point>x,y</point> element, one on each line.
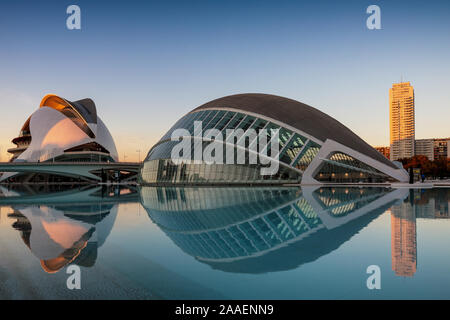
<point>165,171</point>
<point>237,119</point>
<point>290,152</point>
<point>341,167</point>
<point>306,155</point>
<point>158,168</point>
<point>214,121</point>
<point>226,118</point>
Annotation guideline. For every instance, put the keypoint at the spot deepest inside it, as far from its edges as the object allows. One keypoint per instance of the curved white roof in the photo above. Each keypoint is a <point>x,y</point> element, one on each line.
<point>59,125</point>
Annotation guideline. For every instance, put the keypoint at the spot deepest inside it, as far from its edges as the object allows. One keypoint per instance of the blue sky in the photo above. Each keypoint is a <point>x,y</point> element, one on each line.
<point>147,63</point>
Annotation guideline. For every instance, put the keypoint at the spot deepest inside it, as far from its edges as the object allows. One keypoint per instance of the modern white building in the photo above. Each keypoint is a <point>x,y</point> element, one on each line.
<point>62,131</point>
<point>314,148</point>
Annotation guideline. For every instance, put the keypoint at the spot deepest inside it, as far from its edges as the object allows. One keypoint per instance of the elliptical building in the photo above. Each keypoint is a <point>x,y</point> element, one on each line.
<point>314,148</point>
<point>61,131</point>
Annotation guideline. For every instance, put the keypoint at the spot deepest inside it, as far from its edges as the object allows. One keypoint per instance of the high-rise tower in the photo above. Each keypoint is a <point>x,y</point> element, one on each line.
<point>402,124</point>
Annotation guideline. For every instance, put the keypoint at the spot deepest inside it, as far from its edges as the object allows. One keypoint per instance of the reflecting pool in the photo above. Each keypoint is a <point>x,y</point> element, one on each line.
<point>224,243</point>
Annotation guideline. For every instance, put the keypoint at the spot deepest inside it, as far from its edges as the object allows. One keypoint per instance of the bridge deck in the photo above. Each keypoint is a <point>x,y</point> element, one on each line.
<point>72,169</point>
<point>105,164</point>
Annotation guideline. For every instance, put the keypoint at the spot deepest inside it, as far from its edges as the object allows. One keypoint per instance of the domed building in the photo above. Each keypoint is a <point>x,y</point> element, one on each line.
<point>62,131</point>
<point>313,148</point>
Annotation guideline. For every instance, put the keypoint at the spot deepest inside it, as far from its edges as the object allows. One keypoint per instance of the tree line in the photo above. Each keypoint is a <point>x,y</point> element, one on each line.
<point>436,169</point>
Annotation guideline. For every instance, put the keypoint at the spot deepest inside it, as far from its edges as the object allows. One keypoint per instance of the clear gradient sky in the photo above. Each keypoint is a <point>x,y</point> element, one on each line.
<point>145,64</point>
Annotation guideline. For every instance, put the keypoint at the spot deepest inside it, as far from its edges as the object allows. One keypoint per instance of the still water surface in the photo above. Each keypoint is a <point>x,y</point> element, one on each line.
<point>233,243</point>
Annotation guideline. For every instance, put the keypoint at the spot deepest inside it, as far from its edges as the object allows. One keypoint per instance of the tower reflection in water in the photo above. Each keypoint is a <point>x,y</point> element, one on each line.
<point>242,230</point>
<point>420,204</point>
<point>67,226</point>
<point>256,230</point>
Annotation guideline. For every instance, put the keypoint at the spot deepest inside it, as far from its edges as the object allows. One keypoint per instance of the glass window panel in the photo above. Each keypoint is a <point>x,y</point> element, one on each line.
<point>205,120</point>
<point>292,149</point>
<point>257,126</point>
<point>218,116</point>
<point>235,121</point>
<point>246,122</point>
<point>307,155</point>
<point>226,118</point>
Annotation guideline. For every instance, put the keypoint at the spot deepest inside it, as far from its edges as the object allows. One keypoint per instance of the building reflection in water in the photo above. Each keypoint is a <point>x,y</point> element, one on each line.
<point>403,239</point>
<point>65,227</point>
<point>421,203</point>
<point>255,230</point>
<point>243,230</point>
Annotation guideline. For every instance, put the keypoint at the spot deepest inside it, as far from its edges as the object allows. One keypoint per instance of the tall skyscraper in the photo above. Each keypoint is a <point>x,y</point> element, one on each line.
<point>401,116</point>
